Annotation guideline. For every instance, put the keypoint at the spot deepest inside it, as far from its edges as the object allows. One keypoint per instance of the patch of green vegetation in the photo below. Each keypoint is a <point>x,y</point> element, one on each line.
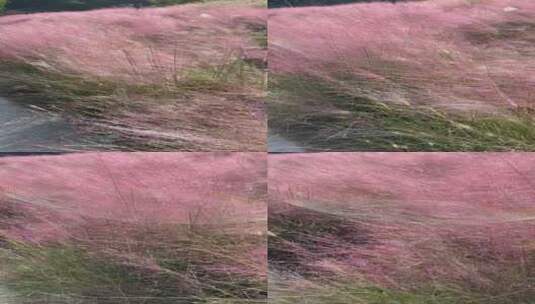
<point>377,295</point>
<point>26,83</point>
<point>223,78</point>
<point>91,99</point>
<point>58,271</point>
<point>47,86</point>
<point>185,270</point>
<point>212,250</point>
<point>321,117</point>
<point>357,293</point>
<point>439,290</point>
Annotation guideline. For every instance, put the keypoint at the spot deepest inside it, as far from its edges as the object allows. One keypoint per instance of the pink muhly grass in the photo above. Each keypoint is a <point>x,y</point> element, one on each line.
<point>147,45</point>
<point>163,188</point>
<point>404,221</point>
<point>149,213</point>
<point>469,55</point>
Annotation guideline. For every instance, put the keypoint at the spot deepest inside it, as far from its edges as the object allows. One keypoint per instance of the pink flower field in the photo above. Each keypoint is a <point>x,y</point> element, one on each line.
<point>455,71</point>
<point>401,228</point>
<point>148,45</point>
<point>152,79</point>
<point>134,228</point>
<point>467,56</point>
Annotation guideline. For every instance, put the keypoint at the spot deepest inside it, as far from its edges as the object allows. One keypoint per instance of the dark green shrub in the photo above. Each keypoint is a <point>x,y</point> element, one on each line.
<point>76,5</point>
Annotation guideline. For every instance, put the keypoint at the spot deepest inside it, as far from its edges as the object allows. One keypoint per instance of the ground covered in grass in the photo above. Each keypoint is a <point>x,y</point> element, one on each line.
<point>177,84</point>
<point>401,228</point>
<point>321,117</point>
<point>378,76</point>
<point>136,228</point>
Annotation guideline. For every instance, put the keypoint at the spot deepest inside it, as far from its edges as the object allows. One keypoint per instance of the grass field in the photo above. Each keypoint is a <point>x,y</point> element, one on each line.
<point>133,228</point>
<point>446,75</point>
<point>170,78</point>
<point>411,228</point>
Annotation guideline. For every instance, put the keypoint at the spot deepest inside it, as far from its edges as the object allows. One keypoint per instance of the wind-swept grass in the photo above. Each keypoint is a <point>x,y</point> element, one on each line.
<point>173,267</point>
<point>378,77</point>
<point>316,266</point>
<point>110,112</point>
<point>174,85</point>
<point>134,236</point>
<point>321,117</point>
<point>407,228</point>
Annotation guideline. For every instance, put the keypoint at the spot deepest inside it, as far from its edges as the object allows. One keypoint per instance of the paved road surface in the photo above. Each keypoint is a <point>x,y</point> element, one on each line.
<point>23,129</point>
<point>276,143</point>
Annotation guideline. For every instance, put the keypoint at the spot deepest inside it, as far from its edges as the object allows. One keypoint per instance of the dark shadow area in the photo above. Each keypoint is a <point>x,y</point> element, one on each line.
<point>12,154</point>
<point>29,6</point>
<point>300,237</point>
<point>291,3</point>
